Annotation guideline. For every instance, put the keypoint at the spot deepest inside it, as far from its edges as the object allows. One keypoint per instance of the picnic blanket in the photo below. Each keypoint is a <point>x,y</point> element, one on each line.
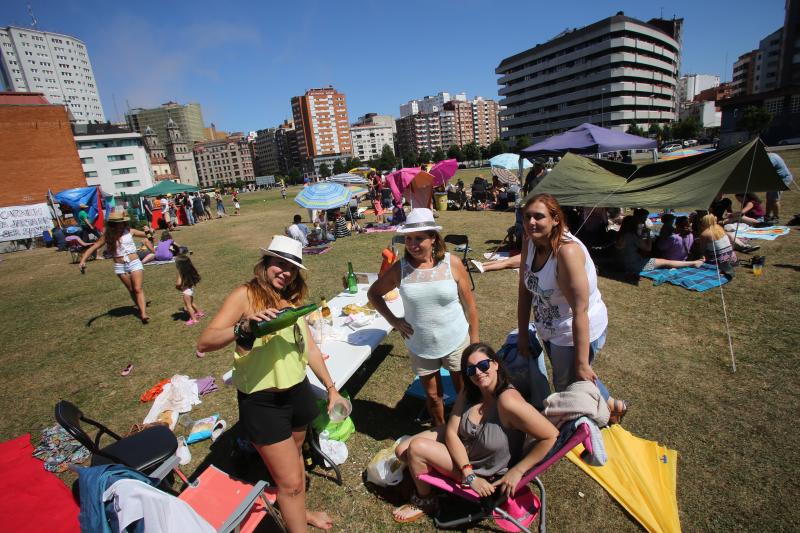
<point>152,263</point>
<point>380,229</point>
<point>698,279</point>
<point>769,233</point>
<point>33,499</point>
<point>316,250</point>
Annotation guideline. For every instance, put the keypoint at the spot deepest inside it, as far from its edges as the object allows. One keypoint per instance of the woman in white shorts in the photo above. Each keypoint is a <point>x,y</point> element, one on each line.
<point>441,318</point>
<point>118,240</point>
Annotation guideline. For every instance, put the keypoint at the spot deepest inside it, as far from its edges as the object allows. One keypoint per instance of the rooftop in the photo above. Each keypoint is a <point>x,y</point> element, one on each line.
<point>14,98</point>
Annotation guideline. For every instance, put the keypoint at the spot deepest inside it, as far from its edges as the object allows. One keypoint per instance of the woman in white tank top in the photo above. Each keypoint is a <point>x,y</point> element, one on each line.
<point>118,240</point>
<point>558,282</point>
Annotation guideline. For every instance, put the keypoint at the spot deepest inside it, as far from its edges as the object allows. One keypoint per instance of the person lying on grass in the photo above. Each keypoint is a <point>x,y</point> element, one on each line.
<point>483,436</point>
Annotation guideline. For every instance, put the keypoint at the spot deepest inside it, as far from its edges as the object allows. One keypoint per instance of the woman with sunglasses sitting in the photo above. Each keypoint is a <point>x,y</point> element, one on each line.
<point>276,402</point>
<point>483,436</point>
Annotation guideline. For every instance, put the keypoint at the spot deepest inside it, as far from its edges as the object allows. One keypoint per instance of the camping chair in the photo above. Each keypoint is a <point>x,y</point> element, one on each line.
<point>456,199</point>
<point>459,240</point>
<point>151,451</point>
<point>519,511</point>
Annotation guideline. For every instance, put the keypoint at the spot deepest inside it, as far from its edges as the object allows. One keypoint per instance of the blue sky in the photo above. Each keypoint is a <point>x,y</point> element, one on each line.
<point>243,61</point>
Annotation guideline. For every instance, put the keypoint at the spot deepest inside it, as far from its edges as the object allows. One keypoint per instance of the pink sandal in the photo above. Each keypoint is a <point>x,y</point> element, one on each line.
<point>191,322</point>
<point>200,314</point>
<point>127,370</point>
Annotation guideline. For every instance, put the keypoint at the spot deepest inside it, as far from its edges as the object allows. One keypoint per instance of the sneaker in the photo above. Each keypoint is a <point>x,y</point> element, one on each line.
<point>477,264</point>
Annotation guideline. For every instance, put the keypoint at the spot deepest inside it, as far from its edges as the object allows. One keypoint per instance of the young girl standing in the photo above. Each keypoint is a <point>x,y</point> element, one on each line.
<point>186,281</point>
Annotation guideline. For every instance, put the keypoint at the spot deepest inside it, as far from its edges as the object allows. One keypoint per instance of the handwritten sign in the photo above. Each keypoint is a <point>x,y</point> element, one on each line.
<point>24,221</point>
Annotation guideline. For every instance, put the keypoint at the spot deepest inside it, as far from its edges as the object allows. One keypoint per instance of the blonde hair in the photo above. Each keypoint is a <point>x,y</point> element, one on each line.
<point>710,222</point>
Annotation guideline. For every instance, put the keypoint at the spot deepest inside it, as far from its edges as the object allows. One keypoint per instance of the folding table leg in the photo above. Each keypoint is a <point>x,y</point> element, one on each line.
<point>319,457</point>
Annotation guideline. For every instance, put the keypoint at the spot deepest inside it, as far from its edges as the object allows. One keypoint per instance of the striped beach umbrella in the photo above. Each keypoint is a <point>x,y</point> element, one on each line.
<point>323,195</point>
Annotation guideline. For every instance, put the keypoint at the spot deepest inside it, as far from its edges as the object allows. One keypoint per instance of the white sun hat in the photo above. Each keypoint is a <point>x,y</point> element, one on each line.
<point>419,219</point>
<point>286,248</point>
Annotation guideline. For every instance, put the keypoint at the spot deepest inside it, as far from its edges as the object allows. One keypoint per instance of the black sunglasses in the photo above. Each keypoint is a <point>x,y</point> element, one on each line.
<point>483,366</point>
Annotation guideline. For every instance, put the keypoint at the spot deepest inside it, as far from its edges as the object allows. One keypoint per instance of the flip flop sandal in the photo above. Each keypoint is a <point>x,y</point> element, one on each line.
<point>200,355</point>
<point>419,507</point>
<point>127,370</point>
<point>619,412</point>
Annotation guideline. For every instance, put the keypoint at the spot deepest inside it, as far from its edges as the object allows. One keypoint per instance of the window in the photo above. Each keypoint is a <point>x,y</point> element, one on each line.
<point>127,170</point>
<point>125,184</point>
<point>795,106</point>
<point>87,160</point>
<point>90,174</point>
<point>121,157</point>
<point>774,105</point>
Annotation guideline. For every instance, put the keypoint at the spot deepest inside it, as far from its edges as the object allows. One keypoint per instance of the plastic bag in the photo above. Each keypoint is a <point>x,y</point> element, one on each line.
<point>385,469</point>
<point>340,431</point>
<point>201,430</point>
<point>334,449</point>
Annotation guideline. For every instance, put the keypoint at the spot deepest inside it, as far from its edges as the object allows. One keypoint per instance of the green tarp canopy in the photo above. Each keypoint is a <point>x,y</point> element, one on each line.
<point>167,187</point>
<point>688,183</point>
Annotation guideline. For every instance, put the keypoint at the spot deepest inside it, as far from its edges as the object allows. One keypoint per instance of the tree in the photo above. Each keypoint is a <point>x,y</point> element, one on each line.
<point>239,183</point>
<point>454,152</point>
<point>471,152</point>
<point>410,158</point>
<point>634,129</point>
<point>387,160</point>
<point>485,152</point>
<point>666,132</point>
<point>498,146</point>
<point>754,120</point>
<point>424,157</point>
<point>294,176</point>
<point>686,128</point>
<point>324,171</point>
<point>521,142</point>
<point>655,131</point>
<point>338,167</point>
<point>439,155</point>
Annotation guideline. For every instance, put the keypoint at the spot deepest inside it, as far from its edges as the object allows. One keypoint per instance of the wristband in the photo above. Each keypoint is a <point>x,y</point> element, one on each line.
<point>468,465</point>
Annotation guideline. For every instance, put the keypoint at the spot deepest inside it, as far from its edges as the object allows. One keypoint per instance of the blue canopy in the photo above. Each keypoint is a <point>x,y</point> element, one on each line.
<point>589,139</point>
<point>73,198</point>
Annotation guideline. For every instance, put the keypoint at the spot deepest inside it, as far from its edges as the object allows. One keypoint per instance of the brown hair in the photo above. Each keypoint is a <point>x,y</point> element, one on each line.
<point>439,247</point>
<point>113,234</point>
<point>262,295</point>
<point>472,392</point>
<point>556,237</point>
<point>186,270</point>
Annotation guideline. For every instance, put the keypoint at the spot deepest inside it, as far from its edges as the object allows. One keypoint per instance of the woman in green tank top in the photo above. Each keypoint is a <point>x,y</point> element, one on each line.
<point>276,402</point>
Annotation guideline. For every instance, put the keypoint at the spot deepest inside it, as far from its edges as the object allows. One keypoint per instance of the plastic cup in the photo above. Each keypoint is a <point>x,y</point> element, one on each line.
<point>341,410</point>
<point>757,269</point>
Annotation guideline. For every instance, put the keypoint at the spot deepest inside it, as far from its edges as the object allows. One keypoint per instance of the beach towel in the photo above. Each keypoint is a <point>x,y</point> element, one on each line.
<point>769,233</point>
<point>33,499</point>
<point>698,279</point>
<point>316,250</point>
<point>380,229</point>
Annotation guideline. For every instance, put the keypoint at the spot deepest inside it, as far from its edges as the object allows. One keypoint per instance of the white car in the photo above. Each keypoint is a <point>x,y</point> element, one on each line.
<point>671,148</point>
<point>690,142</point>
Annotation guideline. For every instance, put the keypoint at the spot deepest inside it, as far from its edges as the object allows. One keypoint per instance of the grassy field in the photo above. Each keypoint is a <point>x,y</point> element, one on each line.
<point>68,336</point>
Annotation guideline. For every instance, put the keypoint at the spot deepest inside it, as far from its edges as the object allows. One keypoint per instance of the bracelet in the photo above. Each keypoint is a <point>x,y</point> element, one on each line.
<point>468,465</point>
<point>331,386</point>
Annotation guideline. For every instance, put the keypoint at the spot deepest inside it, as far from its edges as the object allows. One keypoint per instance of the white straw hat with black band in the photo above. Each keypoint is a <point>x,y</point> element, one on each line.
<point>419,219</point>
<point>286,248</point>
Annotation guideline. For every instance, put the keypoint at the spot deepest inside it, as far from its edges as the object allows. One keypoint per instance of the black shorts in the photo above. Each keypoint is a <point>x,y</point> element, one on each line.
<point>269,417</point>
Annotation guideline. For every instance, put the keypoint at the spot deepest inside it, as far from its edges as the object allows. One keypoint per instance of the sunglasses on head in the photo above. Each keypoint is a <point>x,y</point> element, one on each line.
<point>483,366</point>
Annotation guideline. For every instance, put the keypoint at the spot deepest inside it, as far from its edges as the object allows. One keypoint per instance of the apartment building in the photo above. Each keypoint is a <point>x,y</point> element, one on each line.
<point>430,104</point>
<point>224,161</point>
<point>273,152</point>
<point>768,62</point>
<point>485,121</point>
<point>614,72</point>
<point>744,74</point>
<point>113,158</point>
<point>188,117</point>
<point>370,134</point>
<point>418,132</point>
<point>53,64</point>
<point>322,127</point>
<point>690,85</point>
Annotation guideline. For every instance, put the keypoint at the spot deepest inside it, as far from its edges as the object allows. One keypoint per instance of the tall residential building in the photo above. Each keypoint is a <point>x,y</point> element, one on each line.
<point>418,132</point>
<point>744,74</point>
<point>370,134</point>
<point>273,153</point>
<point>485,121</point>
<point>37,150</point>
<point>54,64</point>
<point>113,158</point>
<point>790,46</point>
<point>188,117</point>
<point>457,124</point>
<point>614,72</point>
<point>224,161</point>
<point>768,62</point>
<point>322,126</point>
<point>430,104</point>
<point>690,85</point>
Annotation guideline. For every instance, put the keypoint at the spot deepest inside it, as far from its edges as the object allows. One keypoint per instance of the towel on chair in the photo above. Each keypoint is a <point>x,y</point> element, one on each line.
<point>581,398</point>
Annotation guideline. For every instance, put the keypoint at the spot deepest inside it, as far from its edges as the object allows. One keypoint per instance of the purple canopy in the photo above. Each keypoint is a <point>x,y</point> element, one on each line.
<point>589,139</point>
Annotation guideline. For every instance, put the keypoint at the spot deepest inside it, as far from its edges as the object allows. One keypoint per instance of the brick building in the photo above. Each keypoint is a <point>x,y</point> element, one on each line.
<point>322,127</point>
<point>37,149</point>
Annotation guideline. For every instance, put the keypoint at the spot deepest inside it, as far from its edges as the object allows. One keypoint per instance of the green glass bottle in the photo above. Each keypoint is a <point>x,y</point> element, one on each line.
<point>286,317</point>
<point>352,282</point>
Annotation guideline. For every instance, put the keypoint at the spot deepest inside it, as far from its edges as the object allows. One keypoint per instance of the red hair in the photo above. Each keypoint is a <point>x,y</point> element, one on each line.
<point>556,237</point>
